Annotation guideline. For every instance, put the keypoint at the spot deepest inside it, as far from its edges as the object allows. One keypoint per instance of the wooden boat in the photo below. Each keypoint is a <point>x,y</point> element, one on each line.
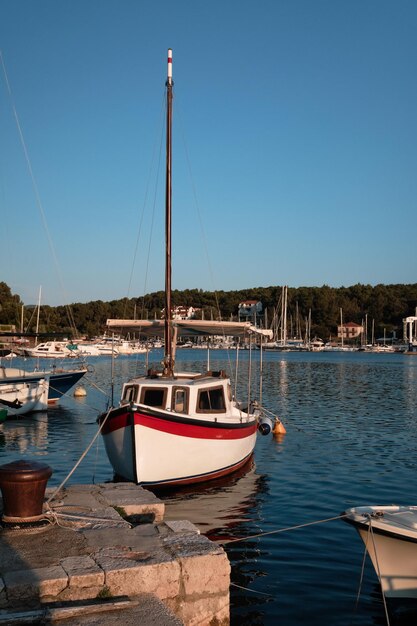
<point>176,428</point>
<point>390,536</point>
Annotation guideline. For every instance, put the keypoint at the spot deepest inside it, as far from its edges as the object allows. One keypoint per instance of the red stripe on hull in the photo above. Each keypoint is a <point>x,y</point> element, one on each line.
<point>181,429</point>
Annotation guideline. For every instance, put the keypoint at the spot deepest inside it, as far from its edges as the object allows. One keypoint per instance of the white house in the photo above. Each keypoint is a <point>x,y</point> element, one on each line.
<point>249,309</point>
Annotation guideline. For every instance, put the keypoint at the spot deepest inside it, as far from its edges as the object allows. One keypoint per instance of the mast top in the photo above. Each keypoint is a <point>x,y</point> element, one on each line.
<point>169,69</point>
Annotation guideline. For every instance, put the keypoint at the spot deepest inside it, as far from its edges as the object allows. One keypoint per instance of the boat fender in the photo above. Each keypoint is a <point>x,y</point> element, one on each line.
<point>265,425</point>
<point>279,428</point>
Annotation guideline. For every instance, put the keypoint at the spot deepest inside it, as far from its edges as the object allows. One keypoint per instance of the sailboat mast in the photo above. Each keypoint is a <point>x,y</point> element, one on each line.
<point>37,314</point>
<point>168,351</point>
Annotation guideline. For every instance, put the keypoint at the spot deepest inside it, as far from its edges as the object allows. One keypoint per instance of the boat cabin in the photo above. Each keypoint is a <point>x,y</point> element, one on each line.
<point>186,393</point>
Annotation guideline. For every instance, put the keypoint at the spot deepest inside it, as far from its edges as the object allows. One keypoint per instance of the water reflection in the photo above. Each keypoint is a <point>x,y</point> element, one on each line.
<point>218,508</point>
<point>25,435</point>
<point>351,439</point>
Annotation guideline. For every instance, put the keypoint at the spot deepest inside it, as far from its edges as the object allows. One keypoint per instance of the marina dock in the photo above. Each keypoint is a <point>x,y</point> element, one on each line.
<point>106,548</point>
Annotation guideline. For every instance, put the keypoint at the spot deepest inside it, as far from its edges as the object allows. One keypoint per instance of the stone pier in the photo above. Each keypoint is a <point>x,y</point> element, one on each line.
<point>106,544</point>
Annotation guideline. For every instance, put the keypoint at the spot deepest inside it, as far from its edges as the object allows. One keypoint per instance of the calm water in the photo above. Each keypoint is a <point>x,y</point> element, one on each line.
<point>351,422</point>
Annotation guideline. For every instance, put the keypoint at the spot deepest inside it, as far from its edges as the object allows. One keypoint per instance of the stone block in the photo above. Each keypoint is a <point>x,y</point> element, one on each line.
<point>157,510</point>
<point>206,574</point>
<point>159,579</point>
<point>95,519</point>
<point>210,611</point>
<point>134,500</point>
<point>190,544</point>
<point>31,586</point>
<point>82,571</point>
<point>139,538</point>
<point>182,526</point>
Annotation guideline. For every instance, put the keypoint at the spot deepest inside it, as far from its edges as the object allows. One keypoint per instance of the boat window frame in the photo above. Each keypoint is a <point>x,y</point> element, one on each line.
<point>211,410</point>
<point>145,388</point>
<point>129,386</point>
<point>186,399</point>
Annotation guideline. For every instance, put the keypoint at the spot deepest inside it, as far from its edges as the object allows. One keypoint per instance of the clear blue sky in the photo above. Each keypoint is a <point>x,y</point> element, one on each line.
<point>295,144</point>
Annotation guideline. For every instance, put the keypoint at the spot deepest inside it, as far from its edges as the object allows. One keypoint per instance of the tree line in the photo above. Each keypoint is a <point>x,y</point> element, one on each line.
<point>386,305</point>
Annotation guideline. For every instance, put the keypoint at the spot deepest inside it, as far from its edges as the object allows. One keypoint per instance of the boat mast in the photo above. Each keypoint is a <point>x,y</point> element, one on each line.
<point>37,315</point>
<point>168,350</point>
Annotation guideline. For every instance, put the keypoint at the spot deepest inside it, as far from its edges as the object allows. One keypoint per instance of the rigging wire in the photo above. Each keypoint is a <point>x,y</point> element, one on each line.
<point>202,229</point>
<point>145,202</point>
<point>161,143</point>
<point>37,195</point>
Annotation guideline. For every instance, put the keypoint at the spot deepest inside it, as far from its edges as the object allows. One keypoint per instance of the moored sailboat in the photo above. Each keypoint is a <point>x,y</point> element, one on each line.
<point>171,427</point>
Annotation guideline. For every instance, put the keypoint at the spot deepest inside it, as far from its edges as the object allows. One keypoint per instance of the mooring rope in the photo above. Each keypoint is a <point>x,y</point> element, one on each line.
<point>358,595</point>
<point>316,522</point>
<point>262,593</point>
<point>283,530</point>
<point>88,518</point>
<point>80,459</point>
<point>371,532</point>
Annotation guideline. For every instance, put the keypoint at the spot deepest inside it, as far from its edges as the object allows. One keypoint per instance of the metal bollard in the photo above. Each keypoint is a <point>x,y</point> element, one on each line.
<point>23,485</point>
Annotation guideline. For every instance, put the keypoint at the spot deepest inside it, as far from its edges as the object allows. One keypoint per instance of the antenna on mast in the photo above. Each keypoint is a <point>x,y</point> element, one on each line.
<point>169,69</point>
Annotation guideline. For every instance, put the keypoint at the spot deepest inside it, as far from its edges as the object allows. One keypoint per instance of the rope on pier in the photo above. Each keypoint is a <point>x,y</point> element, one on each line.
<point>80,517</point>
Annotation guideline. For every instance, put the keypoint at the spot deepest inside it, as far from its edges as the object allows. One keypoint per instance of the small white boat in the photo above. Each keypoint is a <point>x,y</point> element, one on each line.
<point>316,345</point>
<point>97,349</point>
<point>390,536</point>
<point>52,350</point>
<point>60,380</point>
<point>23,398</point>
<point>130,347</point>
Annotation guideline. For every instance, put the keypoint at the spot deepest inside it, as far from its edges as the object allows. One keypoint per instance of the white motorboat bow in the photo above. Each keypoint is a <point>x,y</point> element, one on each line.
<point>390,536</point>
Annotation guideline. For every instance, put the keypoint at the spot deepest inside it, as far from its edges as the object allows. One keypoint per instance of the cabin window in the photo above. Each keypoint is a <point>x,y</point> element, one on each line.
<point>130,394</point>
<point>180,400</point>
<point>212,400</point>
<point>154,396</point>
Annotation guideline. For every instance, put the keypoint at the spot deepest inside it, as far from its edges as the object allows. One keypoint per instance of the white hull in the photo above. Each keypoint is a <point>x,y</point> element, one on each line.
<point>23,398</point>
<point>51,350</point>
<point>60,380</point>
<point>391,542</point>
<point>206,437</point>
<point>161,457</point>
<point>97,349</point>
